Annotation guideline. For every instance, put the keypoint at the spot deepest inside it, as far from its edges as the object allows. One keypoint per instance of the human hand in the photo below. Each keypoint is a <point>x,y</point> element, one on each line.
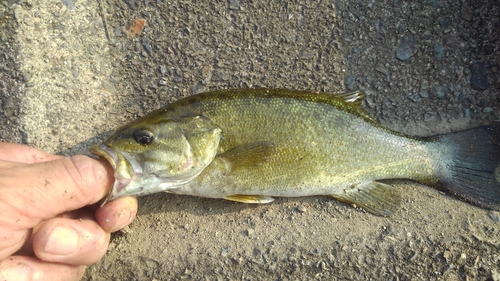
<point>49,227</point>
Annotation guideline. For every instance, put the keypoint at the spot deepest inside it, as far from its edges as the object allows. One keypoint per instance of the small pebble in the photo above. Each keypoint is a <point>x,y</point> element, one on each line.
<point>408,46</point>
<point>117,31</point>
<point>487,109</point>
<point>163,81</point>
<point>163,69</point>
<point>434,3</point>
<point>234,4</point>
<point>108,87</point>
<point>414,98</point>
<point>131,3</point>
<point>68,4</point>
<point>301,209</point>
<point>197,88</point>
<point>430,116</point>
<point>177,78</point>
<point>441,92</point>
<point>426,36</point>
<point>461,260</point>
<point>381,27</point>
<point>424,93</point>
<point>467,113</point>
<point>453,41</point>
<point>220,75</point>
<point>461,97</point>
<point>479,76</point>
<point>306,54</point>
<point>382,69</point>
<point>444,22</point>
<point>494,217</point>
<point>465,11</point>
<point>146,44</point>
<point>349,82</point>
<point>438,51</point>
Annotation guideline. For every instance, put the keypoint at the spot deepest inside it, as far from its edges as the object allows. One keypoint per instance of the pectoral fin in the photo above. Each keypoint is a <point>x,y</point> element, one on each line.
<point>248,155</point>
<point>377,198</point>
<point>253,199</point>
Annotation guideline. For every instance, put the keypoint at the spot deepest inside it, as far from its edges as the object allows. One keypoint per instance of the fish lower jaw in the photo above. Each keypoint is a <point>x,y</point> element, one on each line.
<point>140,185</point>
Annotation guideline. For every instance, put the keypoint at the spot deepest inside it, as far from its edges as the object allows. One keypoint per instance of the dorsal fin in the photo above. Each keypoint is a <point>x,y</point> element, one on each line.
<point>355,97</point>
<point>353,104</point>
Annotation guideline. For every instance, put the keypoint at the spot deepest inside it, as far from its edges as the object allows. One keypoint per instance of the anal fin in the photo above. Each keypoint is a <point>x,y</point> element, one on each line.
<point>252,199</point>
<point>377,198</point>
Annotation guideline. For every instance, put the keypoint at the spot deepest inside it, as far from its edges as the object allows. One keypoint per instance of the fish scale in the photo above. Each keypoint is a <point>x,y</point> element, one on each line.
<point>319,148</point>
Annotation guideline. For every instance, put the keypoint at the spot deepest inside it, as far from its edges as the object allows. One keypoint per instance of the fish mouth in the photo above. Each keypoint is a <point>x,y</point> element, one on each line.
<point>125,167</point>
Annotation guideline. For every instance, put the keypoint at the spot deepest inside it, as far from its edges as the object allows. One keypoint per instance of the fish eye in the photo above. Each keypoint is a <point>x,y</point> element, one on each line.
<point>143,136</point>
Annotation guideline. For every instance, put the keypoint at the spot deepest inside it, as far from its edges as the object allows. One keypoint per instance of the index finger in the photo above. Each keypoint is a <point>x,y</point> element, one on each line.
<point>24,154</point>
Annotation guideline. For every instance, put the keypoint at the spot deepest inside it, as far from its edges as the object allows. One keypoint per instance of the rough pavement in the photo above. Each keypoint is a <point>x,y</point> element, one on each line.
<point>69,74</point>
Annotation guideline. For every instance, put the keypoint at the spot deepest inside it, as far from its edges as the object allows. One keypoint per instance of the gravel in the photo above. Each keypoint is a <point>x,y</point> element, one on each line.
<point>425,67</point>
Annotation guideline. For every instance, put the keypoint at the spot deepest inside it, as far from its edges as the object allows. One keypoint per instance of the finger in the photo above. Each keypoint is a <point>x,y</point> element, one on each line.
<point>117,214</point>
<point>21,268</point>
<point>24,154</point>
<point>43,190</point>
<point>12,241</point>
<point>27,247</point>
<point>77,242</point>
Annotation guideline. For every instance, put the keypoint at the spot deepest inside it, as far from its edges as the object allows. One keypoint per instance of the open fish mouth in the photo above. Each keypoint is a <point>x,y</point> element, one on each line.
<point>125,166</point>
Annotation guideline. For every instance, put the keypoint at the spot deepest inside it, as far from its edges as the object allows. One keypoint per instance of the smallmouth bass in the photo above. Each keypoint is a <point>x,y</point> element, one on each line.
<point>250,145</point>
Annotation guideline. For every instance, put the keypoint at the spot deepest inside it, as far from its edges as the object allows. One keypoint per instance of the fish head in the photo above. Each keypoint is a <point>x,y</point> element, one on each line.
<point>153,155</point>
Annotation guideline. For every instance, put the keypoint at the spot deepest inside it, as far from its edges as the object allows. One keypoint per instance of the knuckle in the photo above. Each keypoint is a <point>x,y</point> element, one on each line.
<point>83,173</point>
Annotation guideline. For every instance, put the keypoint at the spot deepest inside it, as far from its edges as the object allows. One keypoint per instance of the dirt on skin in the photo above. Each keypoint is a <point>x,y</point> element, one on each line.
<point>426,67</point>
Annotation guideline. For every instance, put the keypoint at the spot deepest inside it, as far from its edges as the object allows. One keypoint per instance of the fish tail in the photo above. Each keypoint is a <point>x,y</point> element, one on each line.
<point>469,165</point>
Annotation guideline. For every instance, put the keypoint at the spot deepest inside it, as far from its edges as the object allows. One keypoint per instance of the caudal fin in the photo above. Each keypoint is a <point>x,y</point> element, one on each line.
<point>472,171</point>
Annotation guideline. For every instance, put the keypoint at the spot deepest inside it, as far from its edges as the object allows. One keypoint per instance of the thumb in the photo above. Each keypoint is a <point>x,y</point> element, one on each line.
<point>43,190</point>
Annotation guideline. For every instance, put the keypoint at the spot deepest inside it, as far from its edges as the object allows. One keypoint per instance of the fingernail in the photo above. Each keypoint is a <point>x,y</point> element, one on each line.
<point>62,241</point>
<point>15,272</point>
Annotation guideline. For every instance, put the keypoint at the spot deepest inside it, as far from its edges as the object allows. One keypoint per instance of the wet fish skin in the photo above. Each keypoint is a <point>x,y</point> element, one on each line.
<point>251,145</point>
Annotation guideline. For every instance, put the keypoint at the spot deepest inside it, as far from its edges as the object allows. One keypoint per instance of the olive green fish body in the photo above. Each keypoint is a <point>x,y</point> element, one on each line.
<point>251,145</point>
<point>316,147</point>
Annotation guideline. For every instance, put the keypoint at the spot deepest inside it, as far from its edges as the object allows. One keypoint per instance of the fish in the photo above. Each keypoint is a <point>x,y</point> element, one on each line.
<point>251,145</point>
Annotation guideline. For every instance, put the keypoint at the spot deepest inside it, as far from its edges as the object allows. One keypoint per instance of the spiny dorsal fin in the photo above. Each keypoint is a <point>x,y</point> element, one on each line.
<point>377,198</point>
<point>248,155</point>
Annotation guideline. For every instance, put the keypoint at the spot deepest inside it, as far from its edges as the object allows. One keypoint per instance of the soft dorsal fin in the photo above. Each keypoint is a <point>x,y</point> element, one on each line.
<point>354,102</point>
<point>355,97</point>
